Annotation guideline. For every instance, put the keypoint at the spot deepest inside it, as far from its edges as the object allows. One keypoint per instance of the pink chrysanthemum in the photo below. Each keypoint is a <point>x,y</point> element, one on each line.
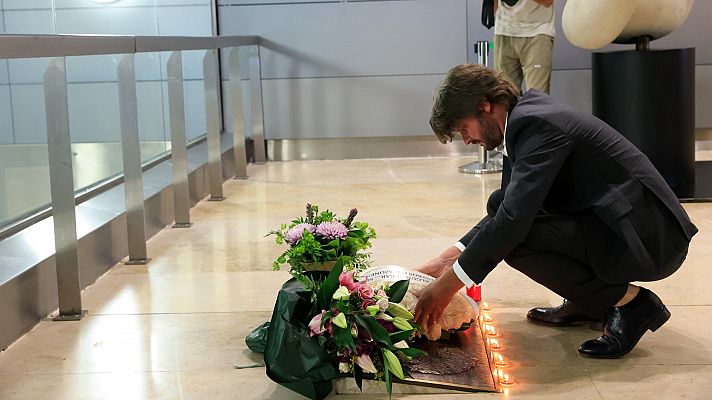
<point>331,230</point>
<point>294,235</point>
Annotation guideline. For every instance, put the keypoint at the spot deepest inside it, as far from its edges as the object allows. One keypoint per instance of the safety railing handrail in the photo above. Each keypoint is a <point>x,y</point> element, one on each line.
<point>38,46</point>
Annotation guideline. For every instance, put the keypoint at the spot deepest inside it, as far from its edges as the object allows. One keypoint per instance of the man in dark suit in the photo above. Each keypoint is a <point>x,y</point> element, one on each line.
<point>580,211</point>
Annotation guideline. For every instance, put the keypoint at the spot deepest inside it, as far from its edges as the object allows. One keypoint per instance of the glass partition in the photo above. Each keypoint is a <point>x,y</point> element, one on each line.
<point>194,88</point>
<point>24,170</point>
<point>94,122</point>
<point>154,132</point>
<point>92,92</point>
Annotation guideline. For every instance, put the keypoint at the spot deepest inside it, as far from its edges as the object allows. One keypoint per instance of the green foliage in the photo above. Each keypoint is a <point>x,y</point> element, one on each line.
<point>402,335</point>
<point>311,249</point>
<point>329,286</point>
<point>358,376</point>
<point>397,291</point>
<point>376,330</point>
<point>343,339</point>
<point>349,331</point>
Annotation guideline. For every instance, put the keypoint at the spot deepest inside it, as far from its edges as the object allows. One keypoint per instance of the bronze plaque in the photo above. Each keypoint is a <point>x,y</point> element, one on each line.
<point>458,363</point>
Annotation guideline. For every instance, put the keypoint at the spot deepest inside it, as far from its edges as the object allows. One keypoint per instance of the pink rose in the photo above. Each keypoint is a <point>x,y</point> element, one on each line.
<point>315,325</point>
<point>365,292</point>
<point>368,302</point>
<point>347,279</point>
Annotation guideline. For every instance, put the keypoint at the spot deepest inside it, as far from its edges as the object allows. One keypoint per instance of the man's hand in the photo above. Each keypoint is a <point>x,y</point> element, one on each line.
<point>435,298</point>
<point>441,263</point>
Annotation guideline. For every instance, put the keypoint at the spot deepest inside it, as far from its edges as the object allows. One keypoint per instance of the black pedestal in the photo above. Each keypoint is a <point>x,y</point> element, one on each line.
<point>649,97</point>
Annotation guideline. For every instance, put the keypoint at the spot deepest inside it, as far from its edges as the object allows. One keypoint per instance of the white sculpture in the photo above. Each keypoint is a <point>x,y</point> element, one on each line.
<point>592,24</point>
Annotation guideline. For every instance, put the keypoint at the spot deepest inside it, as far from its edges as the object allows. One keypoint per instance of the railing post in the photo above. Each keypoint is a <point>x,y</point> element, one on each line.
<point>61,175</point>
<point>131,155</point>
<point>258,133</point>
<point>238,116</point>
<point>212,116</point>
<point>179,147</point>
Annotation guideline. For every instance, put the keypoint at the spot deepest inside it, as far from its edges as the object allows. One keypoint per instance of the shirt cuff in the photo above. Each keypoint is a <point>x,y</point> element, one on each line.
<point>459,246</point>
<point>462,275</point>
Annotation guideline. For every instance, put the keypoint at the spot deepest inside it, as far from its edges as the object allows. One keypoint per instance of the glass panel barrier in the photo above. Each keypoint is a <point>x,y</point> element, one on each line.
<point>195,122</point>
<point>94,121</point>
<point>24,168</point>
<point>154,131</point>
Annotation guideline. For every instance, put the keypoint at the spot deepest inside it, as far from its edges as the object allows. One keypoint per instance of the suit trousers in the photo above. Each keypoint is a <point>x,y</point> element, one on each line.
<point>555,255</point>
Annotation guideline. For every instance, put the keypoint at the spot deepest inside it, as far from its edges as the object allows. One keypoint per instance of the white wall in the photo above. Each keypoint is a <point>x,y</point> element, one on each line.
<point>368,68</point>
<point>351,69</point>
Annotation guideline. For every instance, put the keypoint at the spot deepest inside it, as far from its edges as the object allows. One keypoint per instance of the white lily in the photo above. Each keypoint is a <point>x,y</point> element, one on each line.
<point>342,293</point>
<point>366,364</point>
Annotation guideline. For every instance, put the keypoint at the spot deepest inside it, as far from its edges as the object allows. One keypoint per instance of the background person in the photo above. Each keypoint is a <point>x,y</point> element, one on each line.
<point>524,41</point>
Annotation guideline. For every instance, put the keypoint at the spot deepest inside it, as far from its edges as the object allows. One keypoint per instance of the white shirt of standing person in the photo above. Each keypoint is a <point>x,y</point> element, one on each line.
<point>527,18</point>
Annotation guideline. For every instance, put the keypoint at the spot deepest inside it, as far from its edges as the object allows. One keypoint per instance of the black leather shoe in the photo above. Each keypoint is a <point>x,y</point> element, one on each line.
<point>567,314</point>
<point>626,325</point>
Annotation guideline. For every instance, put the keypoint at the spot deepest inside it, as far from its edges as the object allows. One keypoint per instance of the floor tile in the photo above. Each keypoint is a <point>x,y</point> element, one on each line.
<point>175,329</point>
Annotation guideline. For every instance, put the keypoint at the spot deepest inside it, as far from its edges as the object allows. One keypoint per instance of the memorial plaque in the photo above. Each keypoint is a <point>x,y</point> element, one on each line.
<point>459,362</point>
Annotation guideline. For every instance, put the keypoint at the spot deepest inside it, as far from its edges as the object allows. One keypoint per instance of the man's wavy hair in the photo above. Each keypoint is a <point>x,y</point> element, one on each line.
<point>459,95</point>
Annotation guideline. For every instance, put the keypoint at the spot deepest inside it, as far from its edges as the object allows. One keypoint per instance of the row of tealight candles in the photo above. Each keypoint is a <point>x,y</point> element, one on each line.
<point>495,345</point>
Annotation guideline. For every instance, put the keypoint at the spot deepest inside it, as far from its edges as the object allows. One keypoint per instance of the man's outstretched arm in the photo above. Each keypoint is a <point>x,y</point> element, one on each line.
<point>438,265</point>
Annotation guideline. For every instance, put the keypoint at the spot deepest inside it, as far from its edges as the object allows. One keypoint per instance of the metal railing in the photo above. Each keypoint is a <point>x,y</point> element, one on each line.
<point>63,199</point>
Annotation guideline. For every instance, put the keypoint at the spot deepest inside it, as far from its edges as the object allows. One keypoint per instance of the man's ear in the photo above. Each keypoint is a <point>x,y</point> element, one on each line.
<point>485,106</point>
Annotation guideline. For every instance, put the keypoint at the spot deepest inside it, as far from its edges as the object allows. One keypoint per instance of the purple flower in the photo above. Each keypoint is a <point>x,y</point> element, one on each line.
<point>344,356</point>
<point>331,230</point>
<point>294,235</point>
<point>351,217</point>
<point>388,325</point>
<point>365,347</point>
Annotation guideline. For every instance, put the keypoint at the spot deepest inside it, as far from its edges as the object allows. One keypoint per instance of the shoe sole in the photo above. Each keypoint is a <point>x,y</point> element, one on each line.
<point>593,325</point>
<point>655,324</point>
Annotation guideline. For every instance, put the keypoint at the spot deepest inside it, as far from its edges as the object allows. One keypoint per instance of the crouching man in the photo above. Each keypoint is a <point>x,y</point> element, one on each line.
<point>580,211</point>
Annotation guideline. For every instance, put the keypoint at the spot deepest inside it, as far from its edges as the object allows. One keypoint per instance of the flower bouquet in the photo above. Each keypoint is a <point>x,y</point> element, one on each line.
<point>317,240</point>
<point>363,328</point>
<point>327,322</point>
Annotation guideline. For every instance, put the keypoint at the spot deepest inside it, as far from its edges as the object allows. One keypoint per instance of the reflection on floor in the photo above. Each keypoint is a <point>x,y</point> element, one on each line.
<point>174,329</point>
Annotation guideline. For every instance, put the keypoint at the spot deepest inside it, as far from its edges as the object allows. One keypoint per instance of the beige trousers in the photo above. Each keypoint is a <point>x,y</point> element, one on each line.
<point>527,58</point>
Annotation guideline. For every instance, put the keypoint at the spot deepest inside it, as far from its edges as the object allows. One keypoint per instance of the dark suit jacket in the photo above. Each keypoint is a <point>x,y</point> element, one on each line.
<point>567,162</point>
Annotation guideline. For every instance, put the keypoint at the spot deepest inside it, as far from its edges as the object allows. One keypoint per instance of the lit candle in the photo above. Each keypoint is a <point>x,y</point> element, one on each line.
<point>486,318</point>
<point>506,380</point>
<point>484,306</point>
<point>505,392</point>
<point>494,344</point>
<point>499,360</point>
<point>491,331</point>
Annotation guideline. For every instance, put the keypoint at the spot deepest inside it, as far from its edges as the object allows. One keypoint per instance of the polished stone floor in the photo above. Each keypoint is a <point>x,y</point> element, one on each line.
<point>175,329</point>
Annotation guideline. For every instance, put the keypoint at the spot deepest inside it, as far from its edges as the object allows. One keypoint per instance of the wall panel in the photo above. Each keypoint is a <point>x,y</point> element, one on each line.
<point>348,107</point>
<point>353,39</point>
